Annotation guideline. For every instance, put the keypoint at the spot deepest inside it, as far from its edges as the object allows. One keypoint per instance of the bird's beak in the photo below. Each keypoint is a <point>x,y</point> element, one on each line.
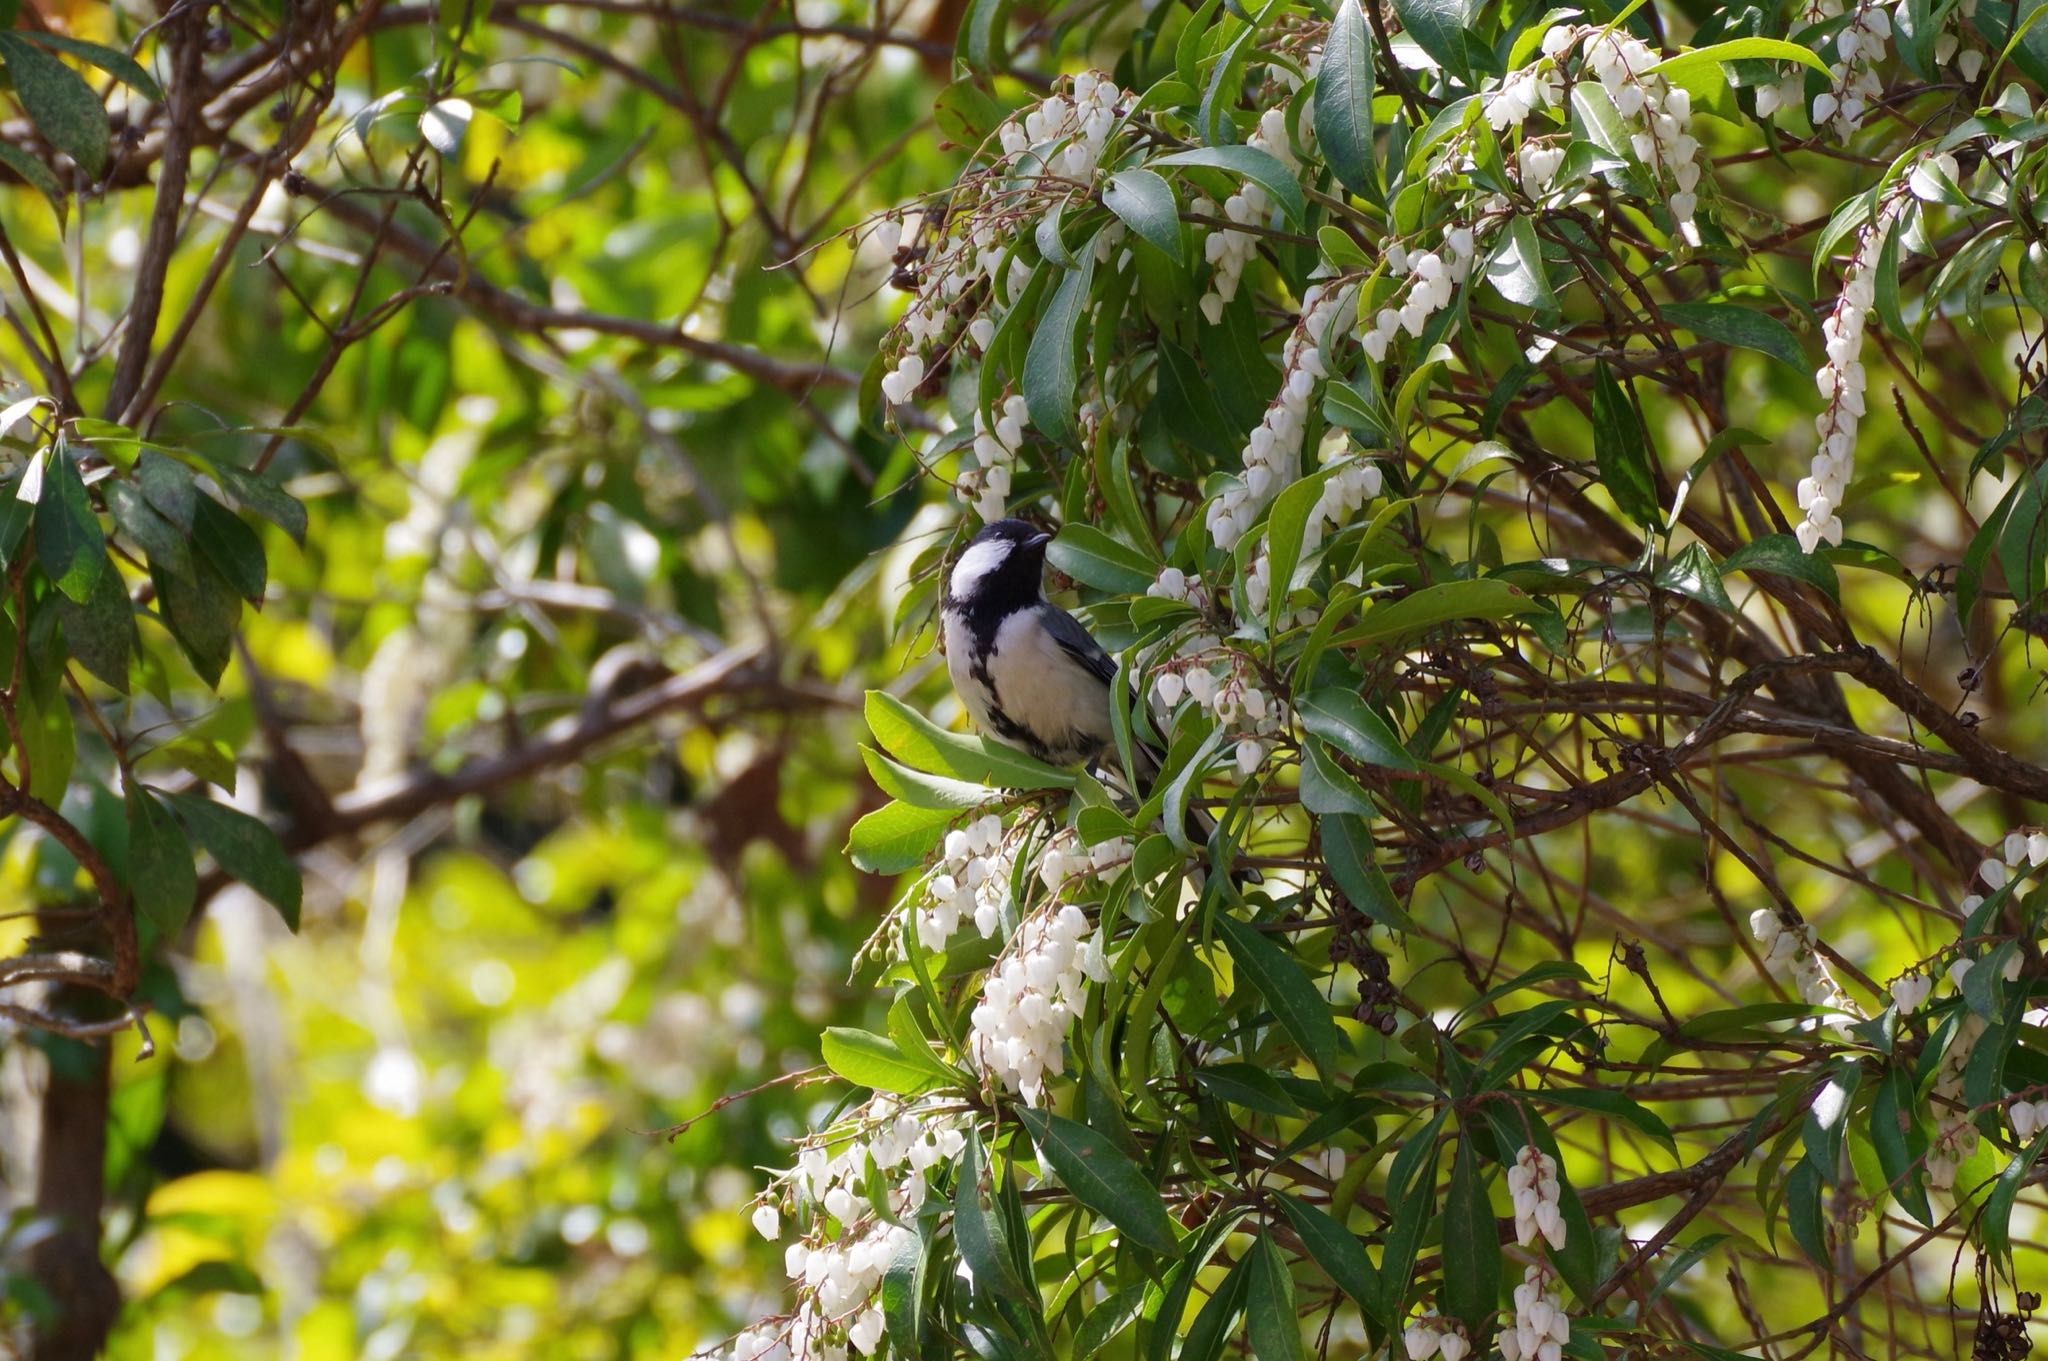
<point>1038,541</point>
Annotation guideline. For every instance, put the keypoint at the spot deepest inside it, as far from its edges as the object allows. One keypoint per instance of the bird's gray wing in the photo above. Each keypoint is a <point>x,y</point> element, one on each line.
<point>1076,642</point>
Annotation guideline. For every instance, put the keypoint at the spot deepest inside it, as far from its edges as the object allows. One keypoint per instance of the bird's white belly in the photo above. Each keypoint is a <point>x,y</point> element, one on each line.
<point>1043,688</point>
<point>960,665</point>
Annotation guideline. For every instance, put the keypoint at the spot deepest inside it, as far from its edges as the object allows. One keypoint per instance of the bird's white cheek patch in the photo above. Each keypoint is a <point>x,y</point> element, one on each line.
<point>975,564</point>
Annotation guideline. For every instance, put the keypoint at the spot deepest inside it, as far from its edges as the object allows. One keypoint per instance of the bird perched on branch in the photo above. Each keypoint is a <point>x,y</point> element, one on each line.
<point>1028,672</point>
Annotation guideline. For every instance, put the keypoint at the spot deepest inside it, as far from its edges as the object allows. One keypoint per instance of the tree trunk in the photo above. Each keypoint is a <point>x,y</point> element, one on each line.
<point>69,1190</point>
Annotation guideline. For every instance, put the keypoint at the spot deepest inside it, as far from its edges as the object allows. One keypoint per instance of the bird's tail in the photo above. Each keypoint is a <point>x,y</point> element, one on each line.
<point>1198,823</point>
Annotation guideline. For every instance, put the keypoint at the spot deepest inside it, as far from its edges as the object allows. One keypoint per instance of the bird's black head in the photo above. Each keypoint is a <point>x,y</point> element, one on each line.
<point>1000,570</point>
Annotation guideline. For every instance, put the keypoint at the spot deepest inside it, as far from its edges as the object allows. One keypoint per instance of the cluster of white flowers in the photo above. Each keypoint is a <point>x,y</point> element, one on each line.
<point>1521,93</point>
<point>1663,111</point>
<point>1969,62</point>
<point>1272,456</point>
<point>1795,943</point>
<point>1343,496</point>
<point>1434,1335</point>
<point>1853,85</point>
<point>1534,1188</point>
<point>971,883</point>
<point>2028,1118</point>
<point>1841,382</point>
<point>1032,993</point>
<point>986,486</point>
<point>1070,133</point>
<point>1432,280</point>
<point>1174,584</point>
<point>1541,1326</point>
<point>1235,698</point>
<point>837,1265</point>
<point>1067,859</point>
<point>1228,250</point>
<point>1910,991</point>
<point>1536,164</point>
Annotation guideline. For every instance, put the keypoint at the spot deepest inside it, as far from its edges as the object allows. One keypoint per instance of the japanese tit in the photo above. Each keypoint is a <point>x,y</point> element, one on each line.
<point>1028,672</point>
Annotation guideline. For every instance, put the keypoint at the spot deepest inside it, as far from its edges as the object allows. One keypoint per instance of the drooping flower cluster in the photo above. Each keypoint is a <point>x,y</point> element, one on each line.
<point>971,883</point>
<point>1061,138</point>
<point>1227,250</point>
<point>1062,135</point>
<point>1174,584</point>
<point>1235,699</point>
<point>1841,383</point>
<point>1067,859</point>
<point>1910,991</point>
<point>1032,993</point>
<point>1272,456</point>
<point>1795,942</point>
<point>1521,92</point>
<point>1853,85</point>
<point>1432,281</point>
<point>986,486</point>
<point>1661,111</point>
<point>2028,1117</point>
<point>836,1264</point>
<point>1541,1326</point>
<point>1433,1335</point>
<point>1534,1187</point>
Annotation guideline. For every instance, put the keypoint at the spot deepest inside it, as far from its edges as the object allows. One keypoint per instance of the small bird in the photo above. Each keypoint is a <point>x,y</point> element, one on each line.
<point>1028,672</point>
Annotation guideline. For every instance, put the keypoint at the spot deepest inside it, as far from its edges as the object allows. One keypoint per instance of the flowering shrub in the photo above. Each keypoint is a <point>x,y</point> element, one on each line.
<point>1389,378</point>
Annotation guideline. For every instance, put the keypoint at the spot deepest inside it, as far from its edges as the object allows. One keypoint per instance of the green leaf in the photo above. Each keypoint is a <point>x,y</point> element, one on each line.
<point>207,759</point>
<point>1051,368</point>
<point>101,632</point>
<point>1516,271</point>
<point>1192,411</point>
<point>169,486</point>
<point>1286,529</point>
<point>1092,558</point>
<point>1260,167</point>
<point>1621,451</point>
<point>1327,789</point>
<point>1803,1213</point>
<point>1343,101</point>
<point>114,62</point>
<point>1740,326</point>
<point>1901,1143</point>
<point>965,113</point>
<point>1338,1252</point>
<point>1614,1106</point>
<point>1344,720</point>
<point>1472,1240</point>
<point>1102,1178</point>
<point>1270,1320</point>
<point>1692,573</point>
<point>924,745</point>
<point>903,1292</point>
<point>1997,1222</point>
<point>59,102</point>
<point>246,849</point>
<point>1247,1085</point>
<point>1146,204</point>
<point>1347,853</point>
<point>1422,610</point>
<point>160,873</point>
<point>230,546</point>
<point>899,781</point>
<point>1781,555</point>
<point>983,1244</point>
<point>869,1060</point>
<point>38,175</point>
<point>895,837</point>
<point>201,612</point>
<point>257,494</point>
<point>445,123</point>
<point>163,543</point>
<point>1289,994</point>
<point>1106,1321</point>
<point>1438,27</point>
<point>69,540</point>
<point>1738,49</point>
